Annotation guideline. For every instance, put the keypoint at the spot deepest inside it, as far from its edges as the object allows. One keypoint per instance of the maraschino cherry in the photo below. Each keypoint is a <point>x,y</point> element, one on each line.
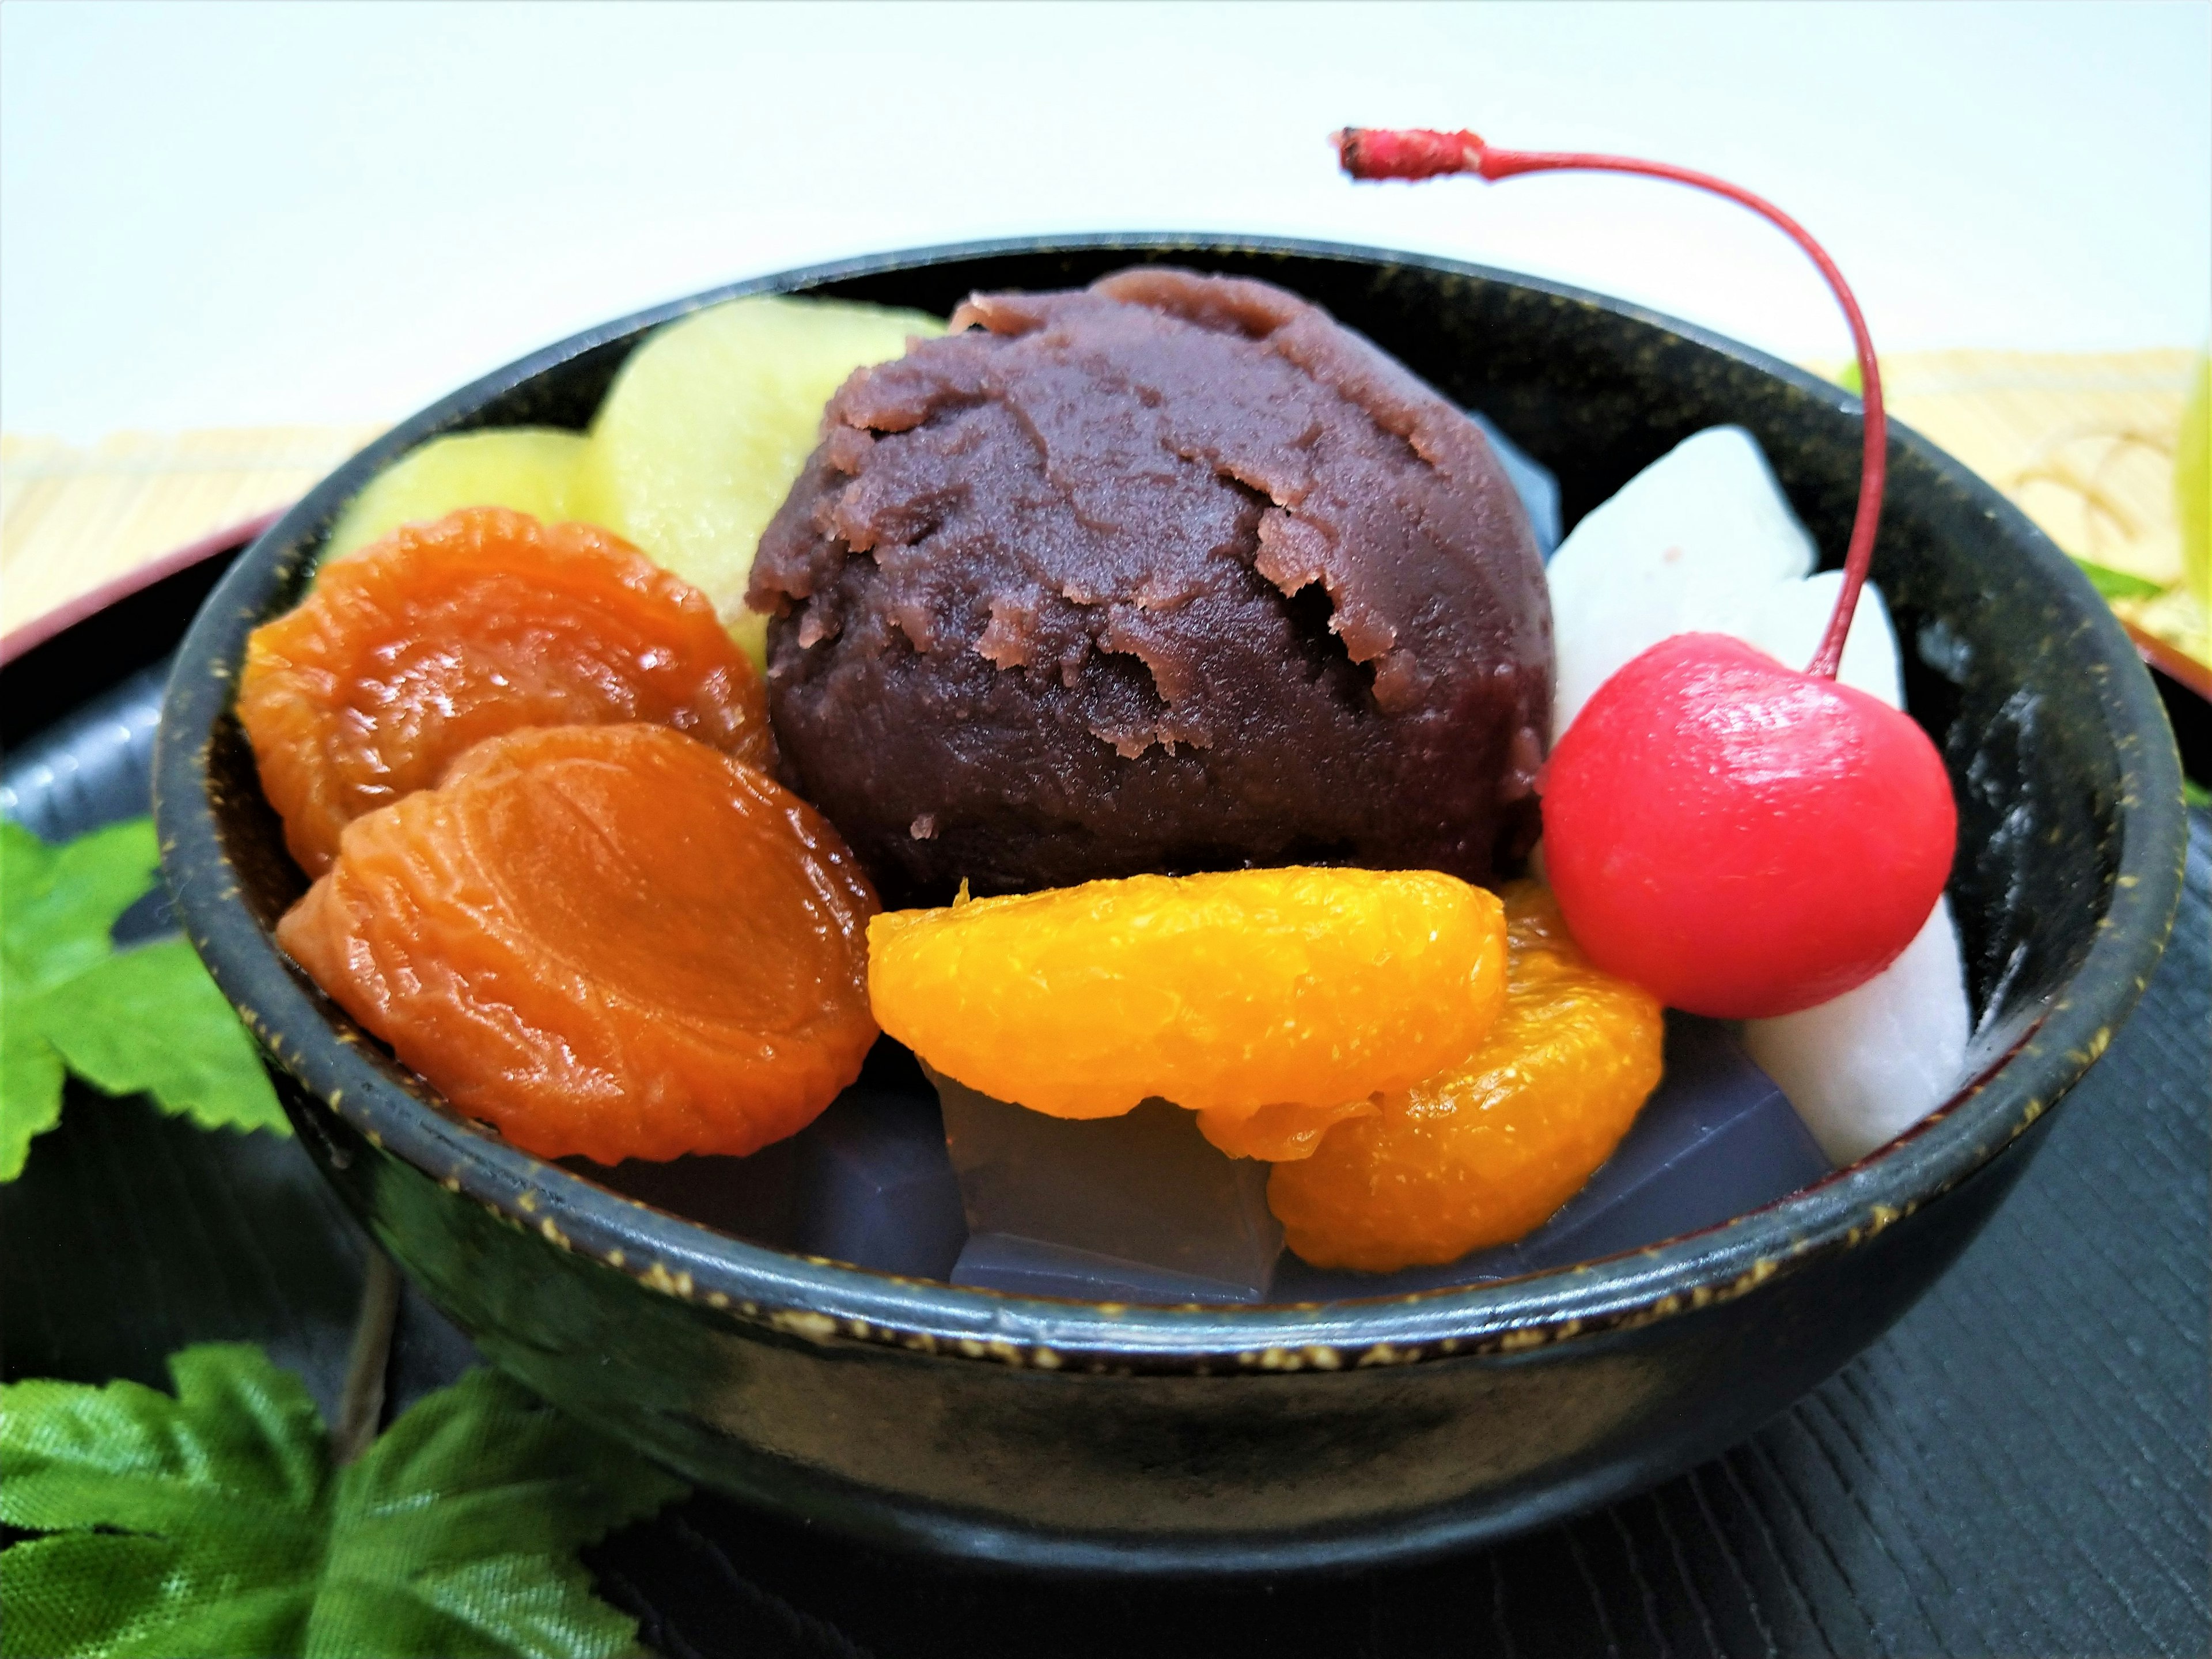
<point>1740,839</point>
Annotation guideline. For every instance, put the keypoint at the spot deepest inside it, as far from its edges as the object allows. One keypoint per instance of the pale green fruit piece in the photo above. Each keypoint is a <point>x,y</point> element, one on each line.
<point>709,423</point>
<point>2192,484</point>
<point>533,470</point>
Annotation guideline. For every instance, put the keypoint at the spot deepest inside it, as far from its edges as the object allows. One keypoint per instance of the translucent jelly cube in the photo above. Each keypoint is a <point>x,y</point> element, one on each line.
<point>1136,1208</point>
<point>876,1188</point>
<point>1716,1138</point>
<point>866,1182</point>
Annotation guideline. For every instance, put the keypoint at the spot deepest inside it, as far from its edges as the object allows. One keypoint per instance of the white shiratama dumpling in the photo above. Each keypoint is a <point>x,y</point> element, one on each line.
<point>1704,541</point>
<point>1865,1068</point>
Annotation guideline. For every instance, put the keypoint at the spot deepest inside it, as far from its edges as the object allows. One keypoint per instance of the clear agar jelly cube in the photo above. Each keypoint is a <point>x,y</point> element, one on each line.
<point>875,1186</point>
<point>1716,1138</point>
<point>1114,1196</point>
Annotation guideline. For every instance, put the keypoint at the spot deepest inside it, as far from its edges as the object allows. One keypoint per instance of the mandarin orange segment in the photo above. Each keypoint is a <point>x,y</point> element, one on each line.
<point>1223,993</point>
<point>1280,1132</point>
<point>1486,1151</point>
<point>609,940</point>
<point>443,634</point>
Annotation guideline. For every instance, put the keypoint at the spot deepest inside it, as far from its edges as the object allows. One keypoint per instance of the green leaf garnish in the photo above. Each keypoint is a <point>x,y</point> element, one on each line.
<point>2116,584</point>
<point>151,1021</point>
<point>145,1020</point>
<point>56,903</point>
<point>212,1522</point>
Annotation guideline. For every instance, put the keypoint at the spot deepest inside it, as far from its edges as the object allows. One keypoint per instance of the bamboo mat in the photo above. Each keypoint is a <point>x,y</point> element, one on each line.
<point>72,518</point>
<point>2084,443</point>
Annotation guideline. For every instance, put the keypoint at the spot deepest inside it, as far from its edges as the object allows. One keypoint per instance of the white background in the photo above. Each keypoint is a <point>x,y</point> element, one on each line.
<point>236,215</point>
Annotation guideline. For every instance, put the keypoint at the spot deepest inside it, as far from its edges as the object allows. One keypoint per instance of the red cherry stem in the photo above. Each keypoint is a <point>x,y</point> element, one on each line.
<point>1414,153</point>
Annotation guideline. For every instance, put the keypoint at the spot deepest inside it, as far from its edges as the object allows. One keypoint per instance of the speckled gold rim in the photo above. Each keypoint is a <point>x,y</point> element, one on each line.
<point>824,1301</point>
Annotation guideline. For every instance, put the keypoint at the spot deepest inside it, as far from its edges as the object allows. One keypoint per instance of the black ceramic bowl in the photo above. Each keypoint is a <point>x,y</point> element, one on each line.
<point>1097,1435</point>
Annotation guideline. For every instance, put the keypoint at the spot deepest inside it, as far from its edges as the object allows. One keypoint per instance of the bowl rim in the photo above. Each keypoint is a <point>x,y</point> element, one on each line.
<point>820,1300</point>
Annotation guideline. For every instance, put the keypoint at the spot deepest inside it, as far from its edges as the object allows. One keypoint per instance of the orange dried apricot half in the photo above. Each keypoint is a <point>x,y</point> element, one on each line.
<point>605,940</point>
<point>1225,993</point>
<point>443,634</point>
<point>1486,1151</point>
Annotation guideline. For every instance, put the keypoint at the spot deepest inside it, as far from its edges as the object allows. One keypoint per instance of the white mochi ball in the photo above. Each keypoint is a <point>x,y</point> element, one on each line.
<point>1704,541</point>
<point>1863,1068</point>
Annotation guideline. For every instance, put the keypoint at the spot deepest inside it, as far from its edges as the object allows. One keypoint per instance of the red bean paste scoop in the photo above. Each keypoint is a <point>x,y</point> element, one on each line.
<point>1169,574</point>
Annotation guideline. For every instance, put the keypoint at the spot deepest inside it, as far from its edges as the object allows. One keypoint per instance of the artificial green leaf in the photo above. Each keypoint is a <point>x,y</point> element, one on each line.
<point>211,1523</point>
<point>213,1506</point>
<point>126,1455</point>
<point>56,903</point>
<point>147,1019</point>
<point>489,1568</point>
<point>151,1021</point>
<point>30,1088</point>
<point>2116,584</point>
<point>113,1595</point>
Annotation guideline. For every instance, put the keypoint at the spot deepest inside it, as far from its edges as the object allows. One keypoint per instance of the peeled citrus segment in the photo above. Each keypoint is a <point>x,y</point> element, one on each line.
<point>609,940</point>
<point>447,634</point>
<point>1280,1133</point>
<point>709,423</point>
<point>1225,993</point>
<point>1485,1151</point>
<point>530,469</point>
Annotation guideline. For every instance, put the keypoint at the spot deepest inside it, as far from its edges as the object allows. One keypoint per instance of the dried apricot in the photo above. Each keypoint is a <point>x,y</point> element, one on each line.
<point>446,634</point>
<point>605,940</point>
<point>1225,993</point>
<point>1486,1151</point>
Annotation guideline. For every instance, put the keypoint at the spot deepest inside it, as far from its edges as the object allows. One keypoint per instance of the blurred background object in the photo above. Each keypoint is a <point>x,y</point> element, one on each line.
<point>2098,449</point>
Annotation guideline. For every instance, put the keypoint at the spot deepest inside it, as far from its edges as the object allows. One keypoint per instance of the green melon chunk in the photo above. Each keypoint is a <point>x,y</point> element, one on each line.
<point>533,470</point>
<point>709,423</point>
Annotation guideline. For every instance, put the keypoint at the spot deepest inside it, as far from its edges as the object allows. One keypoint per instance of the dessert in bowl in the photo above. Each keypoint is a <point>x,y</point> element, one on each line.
<point>1345,1425</point>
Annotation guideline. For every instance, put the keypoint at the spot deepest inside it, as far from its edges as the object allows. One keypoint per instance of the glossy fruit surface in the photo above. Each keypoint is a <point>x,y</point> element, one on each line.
<point>1225,993</point>
<point>530,469</point>
<point>1283,1131</point>
<point>1485,1151</point>
<point>710,420</point>
<point>446,634</point>
<point>1740,839</point>
<point>609,940</point>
